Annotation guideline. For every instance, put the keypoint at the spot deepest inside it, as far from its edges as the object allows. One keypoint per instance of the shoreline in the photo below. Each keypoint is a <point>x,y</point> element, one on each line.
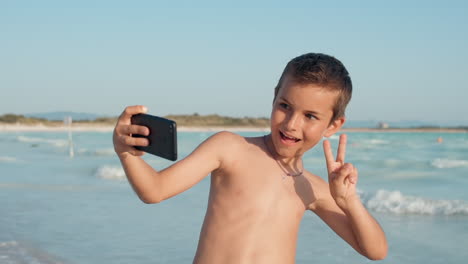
<point>109,128</point>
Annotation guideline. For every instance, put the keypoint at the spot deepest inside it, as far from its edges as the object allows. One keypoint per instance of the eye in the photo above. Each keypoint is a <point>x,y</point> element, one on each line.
<point>284,105</point>
<point>311,116</point>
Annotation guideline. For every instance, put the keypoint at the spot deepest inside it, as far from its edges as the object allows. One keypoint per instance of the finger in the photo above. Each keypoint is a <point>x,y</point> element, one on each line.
<point>340,157</point>
<point>136,152</point>
<point>328,154</point>
<point>133,141</point>
<point>343,173</point>
<point>353,178</point>
<point>133,110</point>
<point>133,129</point>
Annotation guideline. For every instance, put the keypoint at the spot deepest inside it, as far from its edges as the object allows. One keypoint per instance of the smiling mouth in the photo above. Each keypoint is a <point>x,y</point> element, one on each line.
<point>287,138</point>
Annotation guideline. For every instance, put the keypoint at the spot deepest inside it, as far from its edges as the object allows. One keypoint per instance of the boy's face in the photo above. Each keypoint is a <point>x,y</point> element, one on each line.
<point>301,116</point>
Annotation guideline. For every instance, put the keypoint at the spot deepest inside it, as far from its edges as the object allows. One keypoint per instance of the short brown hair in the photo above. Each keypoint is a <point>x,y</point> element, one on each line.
<point>322,70</point>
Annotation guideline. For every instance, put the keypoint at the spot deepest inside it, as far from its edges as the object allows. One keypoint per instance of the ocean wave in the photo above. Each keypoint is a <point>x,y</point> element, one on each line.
<point>54,142</point>
<point>47,187</point>
<point>333,137</point>
<point>97,152</point>
<point>13,252</point>
<point>7,159</point>
<point>369,143</point>
<point>449,163</point>
<point>396,203</point>
<point>399,165</point>
<point>376,141</point>
<point>110,173</point>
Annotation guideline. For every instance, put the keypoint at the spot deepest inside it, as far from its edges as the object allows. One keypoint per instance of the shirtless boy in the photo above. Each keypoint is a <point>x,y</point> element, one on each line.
<point>259,188</point>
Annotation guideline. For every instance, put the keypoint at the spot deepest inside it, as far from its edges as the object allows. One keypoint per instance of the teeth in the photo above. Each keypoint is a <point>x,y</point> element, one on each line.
<point>291,138</point>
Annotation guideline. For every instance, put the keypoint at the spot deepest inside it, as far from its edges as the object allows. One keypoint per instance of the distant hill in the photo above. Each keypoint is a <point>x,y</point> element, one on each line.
<point>60,116</point>
<point>208,120</point>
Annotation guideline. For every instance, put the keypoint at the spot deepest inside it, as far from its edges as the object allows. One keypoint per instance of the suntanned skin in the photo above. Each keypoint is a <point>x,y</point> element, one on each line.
<point>253,214</point>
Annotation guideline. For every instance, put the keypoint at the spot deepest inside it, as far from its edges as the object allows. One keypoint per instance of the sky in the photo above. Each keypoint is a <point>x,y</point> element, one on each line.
<point>408,60</point>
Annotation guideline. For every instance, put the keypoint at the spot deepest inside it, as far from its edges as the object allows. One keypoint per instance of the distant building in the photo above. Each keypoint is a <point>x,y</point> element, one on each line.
<point>383,125</point>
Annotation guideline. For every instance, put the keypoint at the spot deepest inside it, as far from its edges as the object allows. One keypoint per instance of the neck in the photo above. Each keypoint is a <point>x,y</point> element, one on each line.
<point>293,164</point>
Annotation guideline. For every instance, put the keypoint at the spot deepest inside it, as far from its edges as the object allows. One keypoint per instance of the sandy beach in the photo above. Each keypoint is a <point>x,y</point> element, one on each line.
<point>88,127</point>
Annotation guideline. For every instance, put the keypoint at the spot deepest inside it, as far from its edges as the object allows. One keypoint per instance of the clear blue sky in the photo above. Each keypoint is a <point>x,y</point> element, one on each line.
<point>408,61</point>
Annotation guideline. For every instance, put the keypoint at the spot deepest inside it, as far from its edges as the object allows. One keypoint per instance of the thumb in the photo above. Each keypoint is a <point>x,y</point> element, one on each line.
<point>353,177</point>
<point>343,172</point>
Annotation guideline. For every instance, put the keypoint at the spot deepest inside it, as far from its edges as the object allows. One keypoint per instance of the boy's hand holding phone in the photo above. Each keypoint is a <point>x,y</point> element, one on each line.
<point>123,141</point>
<point>137,132</point>
<point>162,137</point>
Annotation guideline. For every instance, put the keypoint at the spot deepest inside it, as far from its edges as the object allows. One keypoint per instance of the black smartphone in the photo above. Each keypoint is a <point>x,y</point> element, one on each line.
<point>162,137</point>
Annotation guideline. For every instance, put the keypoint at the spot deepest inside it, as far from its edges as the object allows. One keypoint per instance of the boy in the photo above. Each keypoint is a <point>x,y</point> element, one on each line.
<point>259,188</point>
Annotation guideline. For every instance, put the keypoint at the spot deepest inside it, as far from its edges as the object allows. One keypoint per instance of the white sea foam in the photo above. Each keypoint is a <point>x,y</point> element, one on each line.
<point>110,173</point>
<point>369,143</point>
<point>393,162</point>
<point>449,163</point>
<point>397,203</point>
<point>104,152</point>
<point>376,142</point>
<point>97,152</point>
<point>6,159</point>
<point>54,142</point>
<point>8,244</point>
<point>13,252</point>
<point>333,137</point>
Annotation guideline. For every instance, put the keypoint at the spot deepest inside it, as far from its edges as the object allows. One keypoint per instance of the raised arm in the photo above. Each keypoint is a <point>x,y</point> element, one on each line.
<point>153,186</point>
<point>342,210</point>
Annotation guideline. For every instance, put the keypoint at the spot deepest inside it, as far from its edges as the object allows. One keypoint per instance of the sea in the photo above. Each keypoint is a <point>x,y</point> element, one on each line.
<point>61,208</point>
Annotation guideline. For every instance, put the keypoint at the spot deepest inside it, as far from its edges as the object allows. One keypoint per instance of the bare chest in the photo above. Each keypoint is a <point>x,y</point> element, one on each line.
<point>258,187</point>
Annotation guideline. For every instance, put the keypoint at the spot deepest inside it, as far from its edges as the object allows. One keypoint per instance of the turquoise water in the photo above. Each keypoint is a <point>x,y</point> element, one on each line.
<point>57,209</point>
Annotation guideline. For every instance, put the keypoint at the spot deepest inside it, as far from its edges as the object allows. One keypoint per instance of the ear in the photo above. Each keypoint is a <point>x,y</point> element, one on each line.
<point>334,126</point>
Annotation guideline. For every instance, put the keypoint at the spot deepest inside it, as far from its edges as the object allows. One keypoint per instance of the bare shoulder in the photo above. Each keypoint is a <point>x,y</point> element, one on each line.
<point>321,191</point>
<point>211,154</point>
<point>228,145</point>
<point>225,140</point>
<point>226,136</point>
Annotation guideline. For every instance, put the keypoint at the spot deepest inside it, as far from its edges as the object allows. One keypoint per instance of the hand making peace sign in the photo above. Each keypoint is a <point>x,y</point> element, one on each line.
<point>342,177</point>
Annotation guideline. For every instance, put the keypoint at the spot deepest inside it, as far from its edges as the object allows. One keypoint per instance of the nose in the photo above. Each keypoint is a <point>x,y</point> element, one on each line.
<point>292,122</point>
